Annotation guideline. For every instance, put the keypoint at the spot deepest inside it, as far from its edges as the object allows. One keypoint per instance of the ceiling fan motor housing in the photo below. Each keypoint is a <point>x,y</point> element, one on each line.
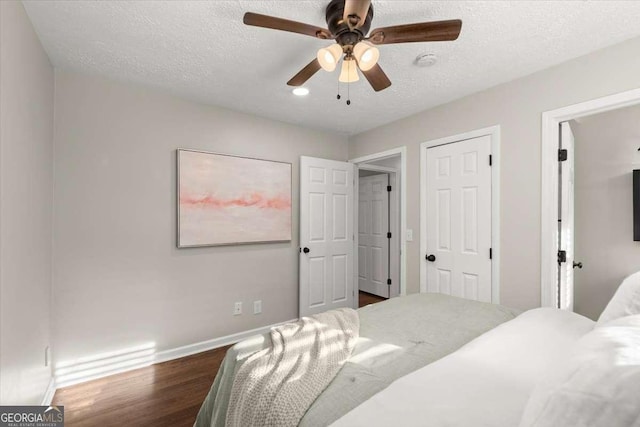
<point>344,35</point>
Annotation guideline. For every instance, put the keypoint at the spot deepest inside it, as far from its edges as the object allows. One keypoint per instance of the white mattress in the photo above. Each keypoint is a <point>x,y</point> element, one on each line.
<point>485,383</point>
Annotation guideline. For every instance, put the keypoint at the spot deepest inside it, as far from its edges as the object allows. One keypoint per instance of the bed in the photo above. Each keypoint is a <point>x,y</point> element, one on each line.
<point>546,368</point>
<point>492,377</point>
<point>397,337</point>
<point>435,360</point>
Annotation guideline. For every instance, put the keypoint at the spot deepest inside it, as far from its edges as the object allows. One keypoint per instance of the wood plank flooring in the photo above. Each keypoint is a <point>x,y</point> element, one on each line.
<point>365,298</point>
<point>166,394</point>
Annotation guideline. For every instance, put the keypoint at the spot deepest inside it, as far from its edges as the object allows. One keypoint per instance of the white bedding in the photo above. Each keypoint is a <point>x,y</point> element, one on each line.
<point>485,383</point>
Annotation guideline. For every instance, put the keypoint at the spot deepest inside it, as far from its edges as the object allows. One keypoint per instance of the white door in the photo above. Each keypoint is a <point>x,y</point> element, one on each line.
<point>458,207</point>
<point>326,235</point>
<point>373,241</point>
<point>566,220</point>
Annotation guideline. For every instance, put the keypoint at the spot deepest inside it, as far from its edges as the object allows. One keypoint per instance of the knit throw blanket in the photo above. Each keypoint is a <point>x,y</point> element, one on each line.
<point>276,386</point>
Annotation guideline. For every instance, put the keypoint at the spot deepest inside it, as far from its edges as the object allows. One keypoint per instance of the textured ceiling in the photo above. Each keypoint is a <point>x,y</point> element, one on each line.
<point>201,50</point>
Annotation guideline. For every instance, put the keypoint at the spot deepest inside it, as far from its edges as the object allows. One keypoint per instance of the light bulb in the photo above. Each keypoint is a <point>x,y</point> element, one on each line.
<point>328,57</point>
<point>349,72</point>
<point>366,54</point>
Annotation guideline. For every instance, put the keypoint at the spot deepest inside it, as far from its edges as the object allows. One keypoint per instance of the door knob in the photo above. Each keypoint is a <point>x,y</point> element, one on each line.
<point>431,258</point>
<point>306,250</point>
<point>577,264</point>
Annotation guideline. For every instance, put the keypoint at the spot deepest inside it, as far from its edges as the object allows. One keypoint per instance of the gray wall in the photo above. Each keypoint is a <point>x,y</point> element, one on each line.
<point>606,154</point>
<point>517,107</point>
<point>119,279</point>
<point>26,189</point>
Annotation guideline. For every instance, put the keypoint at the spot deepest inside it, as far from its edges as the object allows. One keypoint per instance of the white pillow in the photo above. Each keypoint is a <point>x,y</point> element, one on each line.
<point>598,386</point>
<point>625,302</point>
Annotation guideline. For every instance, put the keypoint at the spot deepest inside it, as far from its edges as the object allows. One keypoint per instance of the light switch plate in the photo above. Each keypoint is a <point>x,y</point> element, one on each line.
<point>409,235</point>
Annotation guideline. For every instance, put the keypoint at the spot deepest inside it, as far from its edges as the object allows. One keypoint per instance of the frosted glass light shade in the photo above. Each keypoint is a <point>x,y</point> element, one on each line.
<point>349,72</point>
<point>328,57</point>
<point>366,54</point>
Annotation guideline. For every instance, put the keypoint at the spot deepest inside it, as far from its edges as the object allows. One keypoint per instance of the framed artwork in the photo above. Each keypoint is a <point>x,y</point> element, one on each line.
<point>231,200</point>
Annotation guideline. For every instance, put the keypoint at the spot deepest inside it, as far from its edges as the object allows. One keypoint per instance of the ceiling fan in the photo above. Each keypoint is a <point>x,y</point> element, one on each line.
<point>348,23</point>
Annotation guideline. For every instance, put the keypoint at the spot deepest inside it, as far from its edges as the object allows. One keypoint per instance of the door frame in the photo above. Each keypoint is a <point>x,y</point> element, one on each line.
<point>402,151</point>
<point>394,219</point>
<point>494,133</point>
<point>550,143</point>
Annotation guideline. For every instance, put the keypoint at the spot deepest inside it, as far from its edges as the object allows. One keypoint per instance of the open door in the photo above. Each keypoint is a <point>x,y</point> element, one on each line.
<point>566,217</point>
<point>326,235</point>
<point>374,235</point>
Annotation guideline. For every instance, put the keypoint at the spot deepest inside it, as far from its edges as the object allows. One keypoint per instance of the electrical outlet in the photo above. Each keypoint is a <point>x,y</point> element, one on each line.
<point>257,307</point>
<point>47,356</point>
<point>237,309</point>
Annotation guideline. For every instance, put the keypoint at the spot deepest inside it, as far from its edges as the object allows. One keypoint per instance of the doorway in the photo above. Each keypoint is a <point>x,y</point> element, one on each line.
<point>374,232</point>
<point>380,221</point>
<point>557,272</point>
<point>328,255</point>
<point>596,239</point>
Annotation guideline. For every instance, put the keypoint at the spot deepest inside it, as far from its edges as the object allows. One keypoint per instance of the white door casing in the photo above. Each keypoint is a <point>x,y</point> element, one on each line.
<point>399,199</point>
<point>566,221</point>
<point>373,243</point>
<point>326,231</point>
<point>549,176</point>
<point>458,219</point>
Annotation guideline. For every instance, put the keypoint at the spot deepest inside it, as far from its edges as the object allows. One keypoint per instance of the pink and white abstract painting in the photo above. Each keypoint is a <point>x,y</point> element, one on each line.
<point>225,200</point>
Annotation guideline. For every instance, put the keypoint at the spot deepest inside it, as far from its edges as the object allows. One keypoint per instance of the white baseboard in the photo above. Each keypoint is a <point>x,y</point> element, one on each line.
<point>159,357</point>
<point>48,395</point>
<point>188,350</point>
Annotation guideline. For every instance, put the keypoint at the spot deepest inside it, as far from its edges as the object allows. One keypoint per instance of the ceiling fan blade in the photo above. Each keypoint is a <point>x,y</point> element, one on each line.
<point>359,8</point>
<point>377,78</point>
<point>265,21</point>
<point>305,74</point>
<point>422,32</point>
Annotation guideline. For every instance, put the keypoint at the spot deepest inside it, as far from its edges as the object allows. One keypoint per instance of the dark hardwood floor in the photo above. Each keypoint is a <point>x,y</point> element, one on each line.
<point>165,394</point>
<point>365,298</point>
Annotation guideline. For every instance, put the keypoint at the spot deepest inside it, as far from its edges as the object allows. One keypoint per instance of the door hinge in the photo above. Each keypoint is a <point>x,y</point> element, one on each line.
<point>388,235</point>
<point>388,281</point>
<point>490,253</point>
<point>563,155</point>
<point>562,257</point>
<point>389,188</point>
<point>490,160</point>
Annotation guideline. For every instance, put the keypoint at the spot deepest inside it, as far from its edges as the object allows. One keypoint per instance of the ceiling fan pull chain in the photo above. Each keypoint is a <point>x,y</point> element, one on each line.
<point>338,97</point>
<point>349,84</point>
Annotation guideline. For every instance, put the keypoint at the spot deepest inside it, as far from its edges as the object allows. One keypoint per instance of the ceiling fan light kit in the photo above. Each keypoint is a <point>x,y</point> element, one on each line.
<point>366,54</point>
<point>328,57</point>
<point>349,71</point>
<point>348,23</point>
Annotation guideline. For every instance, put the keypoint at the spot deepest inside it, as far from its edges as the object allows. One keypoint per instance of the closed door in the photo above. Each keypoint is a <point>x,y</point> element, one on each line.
<point>458,207</point>
<point>566,220</point>
<point>326,235</point>
<point>373,238</point>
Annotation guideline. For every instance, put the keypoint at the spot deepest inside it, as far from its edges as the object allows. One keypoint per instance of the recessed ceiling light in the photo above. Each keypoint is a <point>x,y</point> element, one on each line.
<point>301,91</point>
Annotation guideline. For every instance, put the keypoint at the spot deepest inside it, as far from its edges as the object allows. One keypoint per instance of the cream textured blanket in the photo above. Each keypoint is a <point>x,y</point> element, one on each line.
<point>276,386</point>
